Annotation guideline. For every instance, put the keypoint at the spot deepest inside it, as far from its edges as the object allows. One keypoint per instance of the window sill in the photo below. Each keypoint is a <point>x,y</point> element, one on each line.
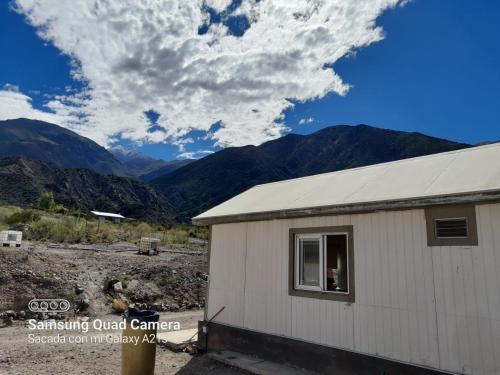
<point>317,294</point>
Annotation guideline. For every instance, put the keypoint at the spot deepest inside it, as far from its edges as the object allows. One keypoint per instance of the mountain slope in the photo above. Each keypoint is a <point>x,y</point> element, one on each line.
<point>167,168</point>
<point>217,177</point>
<point>145,167</point>
<point>341,147</point>
<point>136,163</point>
<point>22,181</point>
<point>40,140</point>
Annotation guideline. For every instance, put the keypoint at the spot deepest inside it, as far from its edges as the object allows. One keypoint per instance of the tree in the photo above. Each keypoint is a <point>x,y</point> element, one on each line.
<point>47,201</point>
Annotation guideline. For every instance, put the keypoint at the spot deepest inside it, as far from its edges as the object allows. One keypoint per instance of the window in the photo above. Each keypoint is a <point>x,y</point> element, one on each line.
<point>321,263</point>
<point>453,225</point>
<point>309,258</point>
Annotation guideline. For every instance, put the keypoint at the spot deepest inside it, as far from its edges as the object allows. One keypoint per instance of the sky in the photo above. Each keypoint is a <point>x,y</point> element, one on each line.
<point>176,79</point>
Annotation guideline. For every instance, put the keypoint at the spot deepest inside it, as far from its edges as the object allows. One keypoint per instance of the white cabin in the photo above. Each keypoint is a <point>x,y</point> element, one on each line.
<point>102,216</point>
<point>392,268</point>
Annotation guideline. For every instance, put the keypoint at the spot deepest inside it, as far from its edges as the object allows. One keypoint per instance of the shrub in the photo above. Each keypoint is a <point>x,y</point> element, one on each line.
<point>24,217</point>
<point>40,231</point>
<point>178,236</point>
<point>199,232</point>
<point>57,225</point>
<point>7,211</point>
<point>46,201</point>
<point>59,209</point>
<point>56,230</point>
<point>143,229</point>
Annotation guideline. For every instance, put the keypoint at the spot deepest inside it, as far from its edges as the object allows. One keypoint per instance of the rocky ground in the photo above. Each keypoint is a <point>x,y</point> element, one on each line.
<point>93,279</point>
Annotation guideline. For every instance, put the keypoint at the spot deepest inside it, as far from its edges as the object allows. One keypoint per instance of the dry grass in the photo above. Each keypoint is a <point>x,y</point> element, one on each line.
<point>64,228</point>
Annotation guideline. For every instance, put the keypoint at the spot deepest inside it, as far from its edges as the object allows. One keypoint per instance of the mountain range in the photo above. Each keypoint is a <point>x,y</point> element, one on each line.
<point>135,162</point>
<point>145,167</point>
<point>38,140</point>
<point>220,176</point>
<point>45,157</point>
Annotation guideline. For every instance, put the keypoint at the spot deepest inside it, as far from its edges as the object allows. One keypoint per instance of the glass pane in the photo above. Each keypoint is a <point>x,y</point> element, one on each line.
<point>309,262</point>
<point>336,263</point>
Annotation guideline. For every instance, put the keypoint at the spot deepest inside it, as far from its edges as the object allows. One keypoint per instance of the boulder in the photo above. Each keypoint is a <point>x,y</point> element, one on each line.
<point>118,287</point>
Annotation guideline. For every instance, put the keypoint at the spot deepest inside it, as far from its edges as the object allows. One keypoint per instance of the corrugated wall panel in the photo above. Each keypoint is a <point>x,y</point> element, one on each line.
<point>468,299</point>
<point>438,307</point>
<point>394,305</point>
<point>227,272</point>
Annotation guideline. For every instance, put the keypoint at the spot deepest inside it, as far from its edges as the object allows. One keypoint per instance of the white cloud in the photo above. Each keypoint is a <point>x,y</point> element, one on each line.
<point>218,5</point>
<point>307,120</point>
<point>14,104</point>
<point>194,154</point>
<point>135,56</point>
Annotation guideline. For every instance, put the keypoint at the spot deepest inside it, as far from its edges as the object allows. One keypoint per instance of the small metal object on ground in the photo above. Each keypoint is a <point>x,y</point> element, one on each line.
<point>139,358</point>
<point>256,365</point>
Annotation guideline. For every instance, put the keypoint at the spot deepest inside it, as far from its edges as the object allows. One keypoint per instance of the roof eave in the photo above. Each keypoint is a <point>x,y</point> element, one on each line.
<point>386,205</point>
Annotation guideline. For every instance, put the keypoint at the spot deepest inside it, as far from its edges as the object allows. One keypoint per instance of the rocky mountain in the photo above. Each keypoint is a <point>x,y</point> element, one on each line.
<point>38,140</point>
<point>190,186</point>
<point>136,163</point>
<point>167,168</point>
<point>220,176</point>
<point>22,182</point>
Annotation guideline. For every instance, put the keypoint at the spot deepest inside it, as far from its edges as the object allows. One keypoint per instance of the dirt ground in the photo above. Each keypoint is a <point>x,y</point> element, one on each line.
<point>174,280</point>
<point>20,357</point>
<point>173,283</point>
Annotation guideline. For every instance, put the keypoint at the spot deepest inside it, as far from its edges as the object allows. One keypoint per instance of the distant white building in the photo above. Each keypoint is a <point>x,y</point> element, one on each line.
<point>102,216</point>
<point>386,269</point>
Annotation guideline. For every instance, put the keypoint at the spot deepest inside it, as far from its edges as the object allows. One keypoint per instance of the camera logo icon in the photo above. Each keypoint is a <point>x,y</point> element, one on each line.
<point>49,305</point>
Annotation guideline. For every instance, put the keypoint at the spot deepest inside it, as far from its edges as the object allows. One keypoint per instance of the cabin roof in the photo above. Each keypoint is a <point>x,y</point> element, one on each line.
<point>108,214</point>
<point>471,174</point>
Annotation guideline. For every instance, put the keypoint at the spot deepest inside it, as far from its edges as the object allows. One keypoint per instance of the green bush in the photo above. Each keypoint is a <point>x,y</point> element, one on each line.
<point>58,225</point>
<point>143,229</point>
<point>7,211</point>
<point>46,201</point>
<point>59,209</point>
<point>56,230</point>
<point>199,232</point>
<point>24,217</point>
<point>178,236</point>
<point>40,231</point>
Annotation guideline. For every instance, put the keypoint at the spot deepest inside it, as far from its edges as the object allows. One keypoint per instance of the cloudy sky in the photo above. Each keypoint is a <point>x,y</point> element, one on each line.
<point>175,78</point>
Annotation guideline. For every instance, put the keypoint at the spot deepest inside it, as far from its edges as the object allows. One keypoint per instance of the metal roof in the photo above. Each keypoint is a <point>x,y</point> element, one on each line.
<point>108,214</point>
<point>470,174</point>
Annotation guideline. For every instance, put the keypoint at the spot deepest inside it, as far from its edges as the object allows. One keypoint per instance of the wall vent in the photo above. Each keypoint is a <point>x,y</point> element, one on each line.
<point>451,228</point>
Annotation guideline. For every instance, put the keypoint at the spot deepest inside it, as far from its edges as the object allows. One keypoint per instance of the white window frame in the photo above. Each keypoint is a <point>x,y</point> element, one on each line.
<point>322,264</point>
<point>297,261</point>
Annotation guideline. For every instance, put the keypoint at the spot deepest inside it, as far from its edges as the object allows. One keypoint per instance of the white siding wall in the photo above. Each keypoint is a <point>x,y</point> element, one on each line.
<point>437,307</point>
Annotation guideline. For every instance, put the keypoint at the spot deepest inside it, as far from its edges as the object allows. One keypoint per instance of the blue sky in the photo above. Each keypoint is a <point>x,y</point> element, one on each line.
<point>437,72</point>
